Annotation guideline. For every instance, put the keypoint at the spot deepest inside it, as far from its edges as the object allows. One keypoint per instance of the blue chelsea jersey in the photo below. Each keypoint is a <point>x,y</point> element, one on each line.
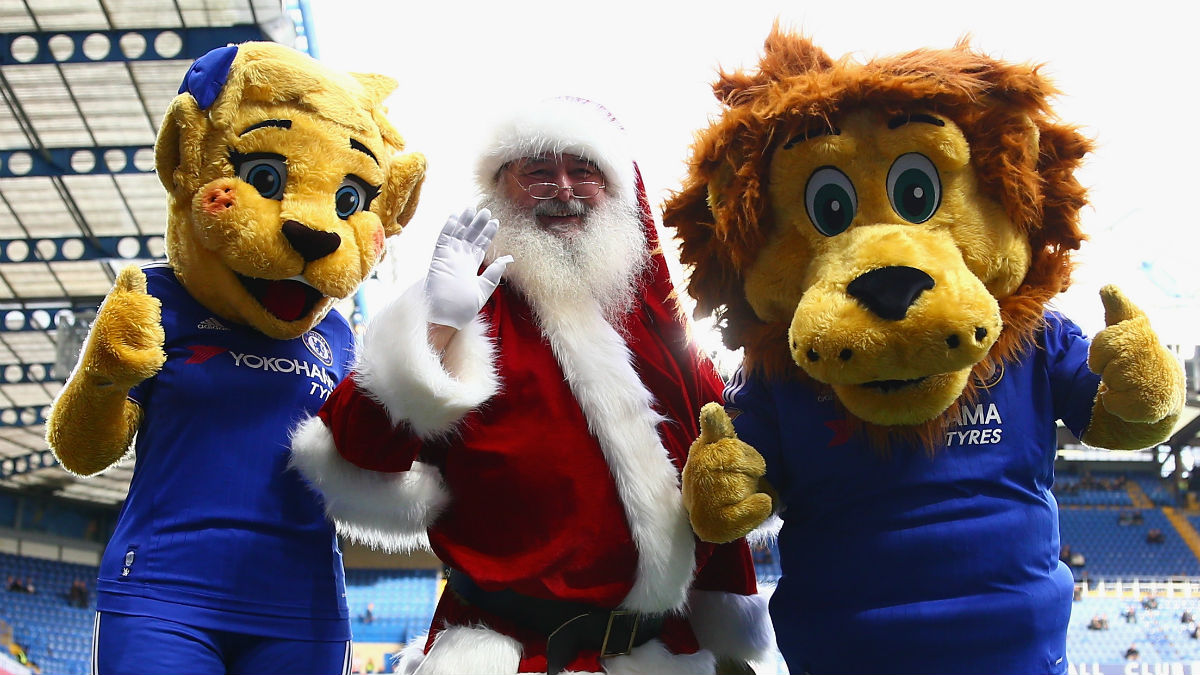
<point>217,531</point>
<point>912,561</point>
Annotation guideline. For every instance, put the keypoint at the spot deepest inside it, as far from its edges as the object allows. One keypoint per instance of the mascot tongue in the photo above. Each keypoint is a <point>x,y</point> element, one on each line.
<point>285,299</point>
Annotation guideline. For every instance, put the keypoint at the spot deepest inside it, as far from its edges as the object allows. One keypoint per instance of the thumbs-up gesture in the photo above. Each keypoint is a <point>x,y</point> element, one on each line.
<point>454,290</point>
<point>722,481</point>
<point>125,345</point>
<point>1140,381</point>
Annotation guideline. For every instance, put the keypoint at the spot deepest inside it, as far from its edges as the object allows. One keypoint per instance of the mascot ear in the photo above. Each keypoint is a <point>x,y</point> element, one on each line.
<point>378,87</point>
<point>405,176</point>
<point>180,146</point>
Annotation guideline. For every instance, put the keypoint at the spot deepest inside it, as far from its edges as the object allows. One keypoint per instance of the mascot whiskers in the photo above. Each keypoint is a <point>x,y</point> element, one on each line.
<point>283,181</point>
<point>882,238</point>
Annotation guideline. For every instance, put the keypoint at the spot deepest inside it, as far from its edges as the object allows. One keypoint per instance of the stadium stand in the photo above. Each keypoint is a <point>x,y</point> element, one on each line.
<point>1155,488</point>
<point>403,603</point>
<point>1115,550</point>
<point>1106,517</point>
<point>1160,635</point>
<point>56,636</point>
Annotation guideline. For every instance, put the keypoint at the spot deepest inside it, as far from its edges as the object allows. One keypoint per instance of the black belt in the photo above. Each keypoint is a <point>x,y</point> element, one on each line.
<point>569,627</point>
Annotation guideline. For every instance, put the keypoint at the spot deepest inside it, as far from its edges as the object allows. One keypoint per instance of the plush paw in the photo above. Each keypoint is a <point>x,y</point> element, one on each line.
<point>721,481</point>
<point>1140,381</point>
<point>125,345</point>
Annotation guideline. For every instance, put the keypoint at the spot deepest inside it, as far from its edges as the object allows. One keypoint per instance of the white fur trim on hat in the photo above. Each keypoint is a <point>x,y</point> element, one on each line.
<point>561,126</point>
<point>431,393</point>
<point>731,625</point>
<point>391,511</point>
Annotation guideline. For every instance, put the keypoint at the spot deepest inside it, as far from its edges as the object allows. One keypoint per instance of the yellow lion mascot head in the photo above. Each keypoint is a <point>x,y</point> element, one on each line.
<point>831,195</point>
<point>284,178</point>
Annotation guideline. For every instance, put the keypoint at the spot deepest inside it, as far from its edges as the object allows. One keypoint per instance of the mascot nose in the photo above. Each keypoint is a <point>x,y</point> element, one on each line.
<point>309,243</point>
<point>889,291</point>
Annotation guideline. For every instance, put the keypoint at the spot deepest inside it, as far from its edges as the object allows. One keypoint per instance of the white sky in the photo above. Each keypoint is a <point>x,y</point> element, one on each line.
<point>1126,71</point>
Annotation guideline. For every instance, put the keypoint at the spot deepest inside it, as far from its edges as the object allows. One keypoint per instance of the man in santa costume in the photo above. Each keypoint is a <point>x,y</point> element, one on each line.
<point>534,427</point>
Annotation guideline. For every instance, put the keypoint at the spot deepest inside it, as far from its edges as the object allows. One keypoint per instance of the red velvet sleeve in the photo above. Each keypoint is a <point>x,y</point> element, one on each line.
<point>363,434</point>
<point>730,569</point>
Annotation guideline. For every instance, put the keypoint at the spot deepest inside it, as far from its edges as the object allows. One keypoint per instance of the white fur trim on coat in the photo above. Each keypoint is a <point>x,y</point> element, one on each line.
<point>767,532</point>
<point>463,649</point>
<point>478,649</point>
<point>598,366</point>
<point>731,625</point>
<point>398,368</point>
<point>391,511</point>
<point>561,126</point>
<point>653,658</point>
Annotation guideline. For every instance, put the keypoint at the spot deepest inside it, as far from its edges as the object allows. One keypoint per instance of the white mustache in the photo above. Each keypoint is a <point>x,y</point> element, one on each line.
<point>554,207</point>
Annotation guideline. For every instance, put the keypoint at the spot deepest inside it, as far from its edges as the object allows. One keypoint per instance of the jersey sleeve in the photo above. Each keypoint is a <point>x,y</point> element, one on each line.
<point>750,405</point>
<point>1073,385</point>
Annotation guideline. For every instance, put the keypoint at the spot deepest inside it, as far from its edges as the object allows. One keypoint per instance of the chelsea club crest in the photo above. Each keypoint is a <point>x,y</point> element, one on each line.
<point>318,346</point>
<point>991,380</point>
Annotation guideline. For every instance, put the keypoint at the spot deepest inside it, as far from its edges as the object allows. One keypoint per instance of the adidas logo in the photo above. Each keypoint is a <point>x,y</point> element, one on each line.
<point>211,324</point>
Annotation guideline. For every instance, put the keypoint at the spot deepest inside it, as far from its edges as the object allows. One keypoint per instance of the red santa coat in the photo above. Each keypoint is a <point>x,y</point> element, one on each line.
<point>541,461</point>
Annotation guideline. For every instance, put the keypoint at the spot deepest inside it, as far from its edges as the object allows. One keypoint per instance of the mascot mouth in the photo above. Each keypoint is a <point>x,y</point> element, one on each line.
<point>888,386</point>
<point>286,299</point>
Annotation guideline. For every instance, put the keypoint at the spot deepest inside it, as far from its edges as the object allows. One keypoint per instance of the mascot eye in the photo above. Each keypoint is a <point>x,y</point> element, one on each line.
<point>268,175</point>
<point>914,188</point>
<point>352,196</point>
<point>831,200</point>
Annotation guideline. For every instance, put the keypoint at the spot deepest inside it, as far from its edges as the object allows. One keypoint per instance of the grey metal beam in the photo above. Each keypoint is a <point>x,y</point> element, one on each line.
<point>1187,433</point>
<point>306,36</point>
<point>21,373</point>
<point>99,46</point>
<point>12,466</point>
<point>41,319</point>
<point>23,416</point>
<point>80,161</point>
<point>58,249</point>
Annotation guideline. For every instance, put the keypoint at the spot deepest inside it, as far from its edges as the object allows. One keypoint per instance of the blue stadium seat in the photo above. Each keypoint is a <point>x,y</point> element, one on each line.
<point>1114,550</point>
<point>404,601</point>
<point>56,636</point>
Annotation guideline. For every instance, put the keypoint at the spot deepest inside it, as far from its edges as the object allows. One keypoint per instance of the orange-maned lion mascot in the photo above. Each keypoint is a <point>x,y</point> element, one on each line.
<point>882,239</point>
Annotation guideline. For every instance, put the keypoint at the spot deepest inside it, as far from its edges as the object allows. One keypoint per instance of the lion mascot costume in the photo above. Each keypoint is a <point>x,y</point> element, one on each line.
<point>882,239</point>
<point>283,180</point>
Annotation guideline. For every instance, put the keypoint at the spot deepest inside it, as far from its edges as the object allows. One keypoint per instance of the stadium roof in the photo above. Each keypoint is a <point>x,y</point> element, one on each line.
<point>85,84</point>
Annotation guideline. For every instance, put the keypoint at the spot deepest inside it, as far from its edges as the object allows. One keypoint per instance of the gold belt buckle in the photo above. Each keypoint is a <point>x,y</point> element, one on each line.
<point>637,619</point>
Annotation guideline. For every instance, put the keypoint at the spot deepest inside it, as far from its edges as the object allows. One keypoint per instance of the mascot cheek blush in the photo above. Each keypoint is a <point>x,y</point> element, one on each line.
<point>283,178</point>
<point>882,239</point>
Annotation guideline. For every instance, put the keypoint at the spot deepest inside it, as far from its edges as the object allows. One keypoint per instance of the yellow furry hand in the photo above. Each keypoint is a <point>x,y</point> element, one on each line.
<point>1140,381</point>
<point>721,481</point>
<point>125,345</point>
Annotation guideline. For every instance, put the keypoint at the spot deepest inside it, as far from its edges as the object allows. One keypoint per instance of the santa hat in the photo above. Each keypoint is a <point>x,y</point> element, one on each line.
<point>558,126</point>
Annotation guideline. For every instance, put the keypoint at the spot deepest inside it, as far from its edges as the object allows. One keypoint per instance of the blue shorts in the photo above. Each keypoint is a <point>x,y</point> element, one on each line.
<point>123,644</point>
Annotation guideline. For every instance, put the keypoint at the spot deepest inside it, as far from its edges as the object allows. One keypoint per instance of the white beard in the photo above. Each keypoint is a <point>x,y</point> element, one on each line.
<point>602,263</point>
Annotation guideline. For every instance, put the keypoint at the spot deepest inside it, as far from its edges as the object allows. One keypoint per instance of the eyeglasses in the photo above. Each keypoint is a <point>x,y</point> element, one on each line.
<point>585,190</point>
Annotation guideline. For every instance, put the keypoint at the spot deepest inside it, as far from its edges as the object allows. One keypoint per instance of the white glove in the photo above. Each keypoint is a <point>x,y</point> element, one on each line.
<point>453,291</point>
